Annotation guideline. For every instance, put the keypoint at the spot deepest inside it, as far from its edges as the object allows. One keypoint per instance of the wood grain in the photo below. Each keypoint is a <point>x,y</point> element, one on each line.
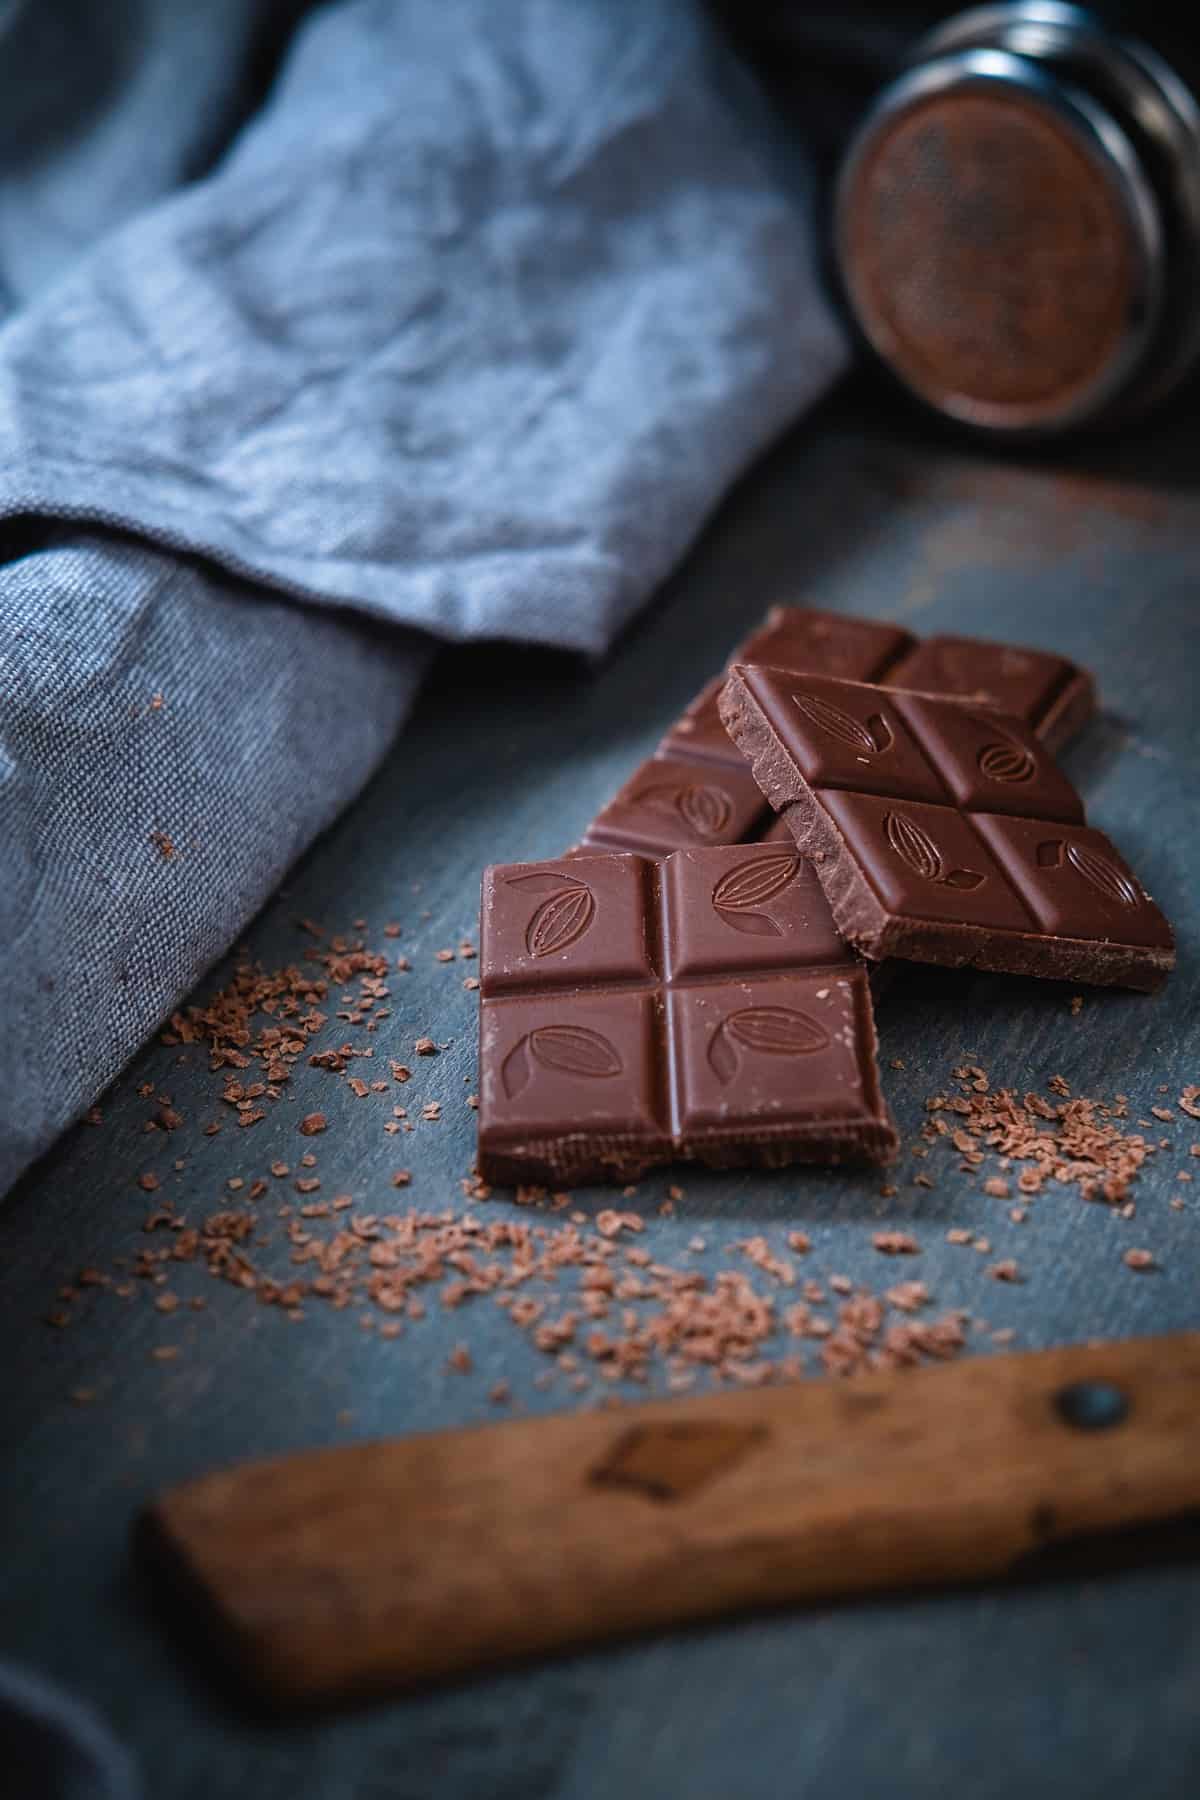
<point>350,1571</point>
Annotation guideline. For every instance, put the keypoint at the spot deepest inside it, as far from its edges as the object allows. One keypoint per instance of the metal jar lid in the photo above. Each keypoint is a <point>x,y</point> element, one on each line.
<point>1017,222</point>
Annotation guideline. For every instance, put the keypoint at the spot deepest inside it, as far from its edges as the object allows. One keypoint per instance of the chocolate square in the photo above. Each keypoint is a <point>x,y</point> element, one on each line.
<point>783,1051</point>
<point>590,1057</point>
<point>1073,880</point>
<point>838,741</point>
<point>671,805</point>
<point>990,764</point>
<point>761,910</point>
<point>567,922</point>
<point>926,861</point>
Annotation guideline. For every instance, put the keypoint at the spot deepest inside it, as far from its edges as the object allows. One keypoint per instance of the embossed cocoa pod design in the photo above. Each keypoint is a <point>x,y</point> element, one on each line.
<point>750,885</point>
<point>913,845</point>
<point>1104,875</point>
<point>1006,762</point>
<point>567,1049</point>
<point>515,1070</point>
<point>704,809</point>
<point>774,1030</point>
<point>1003,757</point>
<point>573,1050</point>
<point>779,1030</point>
<point>868,740</point>
<point>560,920</point>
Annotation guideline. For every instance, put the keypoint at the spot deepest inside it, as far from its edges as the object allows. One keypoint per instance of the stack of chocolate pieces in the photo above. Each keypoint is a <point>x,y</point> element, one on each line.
<point>693,981</point>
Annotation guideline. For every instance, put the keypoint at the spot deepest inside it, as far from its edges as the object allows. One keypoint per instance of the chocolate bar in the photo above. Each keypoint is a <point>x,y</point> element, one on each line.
<point>695,788</point>
<point>702,1008</point>
<point>943,834</point>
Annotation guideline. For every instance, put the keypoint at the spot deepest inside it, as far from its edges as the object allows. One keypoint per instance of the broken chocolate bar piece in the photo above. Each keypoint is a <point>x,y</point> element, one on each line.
<point>695,790</point>
<point>702,1008</point>
<point>943,834</point>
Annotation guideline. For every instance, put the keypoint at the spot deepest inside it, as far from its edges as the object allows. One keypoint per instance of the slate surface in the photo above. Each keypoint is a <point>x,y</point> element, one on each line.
<point>1079,1688</point>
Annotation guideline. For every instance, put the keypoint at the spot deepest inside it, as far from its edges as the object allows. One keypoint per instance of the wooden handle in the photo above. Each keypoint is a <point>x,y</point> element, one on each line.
<point>367,1568</point>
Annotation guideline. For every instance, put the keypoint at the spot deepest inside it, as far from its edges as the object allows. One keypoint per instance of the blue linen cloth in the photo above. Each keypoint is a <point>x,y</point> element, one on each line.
<point>459,318</point>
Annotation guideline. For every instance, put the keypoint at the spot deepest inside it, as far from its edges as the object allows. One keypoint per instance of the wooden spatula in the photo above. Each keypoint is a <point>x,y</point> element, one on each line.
<point>367,1568</point>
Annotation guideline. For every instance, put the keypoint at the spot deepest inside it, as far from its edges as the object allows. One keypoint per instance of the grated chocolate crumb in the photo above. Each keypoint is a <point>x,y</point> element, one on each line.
<point>895,1243</point>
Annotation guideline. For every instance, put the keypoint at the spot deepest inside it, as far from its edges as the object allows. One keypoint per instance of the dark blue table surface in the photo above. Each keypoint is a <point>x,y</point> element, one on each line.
<point>1081,1689</point>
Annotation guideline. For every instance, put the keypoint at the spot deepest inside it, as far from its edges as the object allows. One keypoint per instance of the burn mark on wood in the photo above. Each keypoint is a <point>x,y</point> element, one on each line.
<point>671,1461</point>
